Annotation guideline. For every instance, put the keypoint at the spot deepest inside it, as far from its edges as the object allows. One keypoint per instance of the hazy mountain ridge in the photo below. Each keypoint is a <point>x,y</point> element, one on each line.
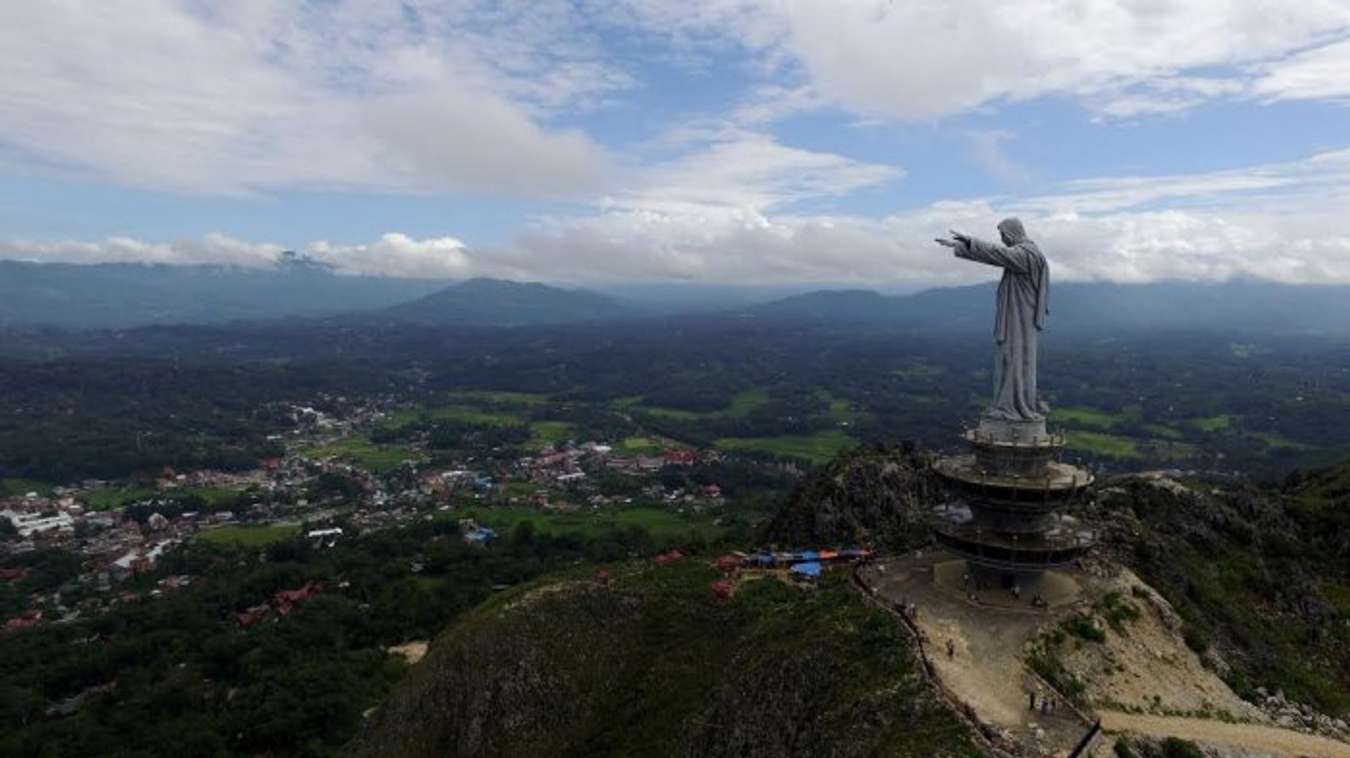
<point>122,295</point>
<point>118,295</point>
<point>1076,306</point>
<point>498,302</point>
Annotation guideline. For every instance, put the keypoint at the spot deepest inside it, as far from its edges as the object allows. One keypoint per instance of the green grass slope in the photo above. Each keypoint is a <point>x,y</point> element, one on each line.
<point>653,665</point>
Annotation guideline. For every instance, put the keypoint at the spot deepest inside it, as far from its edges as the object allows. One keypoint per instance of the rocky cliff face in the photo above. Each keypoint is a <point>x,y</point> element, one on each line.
<point>1260,576</point>
<point>874,496</point>
<point>653,665</point>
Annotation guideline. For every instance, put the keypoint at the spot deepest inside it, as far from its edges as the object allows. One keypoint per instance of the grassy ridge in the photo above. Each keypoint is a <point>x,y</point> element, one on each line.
<point>654,665</point>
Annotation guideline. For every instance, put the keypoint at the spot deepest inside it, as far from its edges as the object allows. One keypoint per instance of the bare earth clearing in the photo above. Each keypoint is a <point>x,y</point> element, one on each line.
<point>1139,679</point>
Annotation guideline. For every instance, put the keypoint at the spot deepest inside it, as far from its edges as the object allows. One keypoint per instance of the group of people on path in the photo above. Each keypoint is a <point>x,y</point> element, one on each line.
<point>974,587</point>
<point>1047,703</point>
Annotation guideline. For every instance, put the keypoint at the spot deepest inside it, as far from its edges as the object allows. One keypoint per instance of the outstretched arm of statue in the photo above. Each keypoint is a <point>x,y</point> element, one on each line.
<point>994,254</point>
<point>957,241</point>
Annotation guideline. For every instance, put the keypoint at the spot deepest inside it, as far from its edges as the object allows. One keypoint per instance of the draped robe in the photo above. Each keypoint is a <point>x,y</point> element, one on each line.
<point>1022,306</point>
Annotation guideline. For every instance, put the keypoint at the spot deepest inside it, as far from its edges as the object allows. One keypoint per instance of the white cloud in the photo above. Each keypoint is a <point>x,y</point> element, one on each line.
<point>242,96</point>
<point>723,166</point>
<point>213,248</point>
<point>926,59</point>
<point>1322,73</point>
<point>398,255</point>
<point>1283,222</point>
<point>392,254</point>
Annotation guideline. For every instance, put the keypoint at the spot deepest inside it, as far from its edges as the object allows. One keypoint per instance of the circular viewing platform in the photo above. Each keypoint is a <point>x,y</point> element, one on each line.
<point>1059,481</point>
<point>1019,553</point>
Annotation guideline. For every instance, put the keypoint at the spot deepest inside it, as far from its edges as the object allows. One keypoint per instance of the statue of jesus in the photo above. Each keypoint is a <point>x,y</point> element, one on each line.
<point>1023,296</point>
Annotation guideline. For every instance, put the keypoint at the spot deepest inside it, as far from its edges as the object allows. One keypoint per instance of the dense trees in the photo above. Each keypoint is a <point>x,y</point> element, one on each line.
<point>175,673</point>
<point>208,396</point>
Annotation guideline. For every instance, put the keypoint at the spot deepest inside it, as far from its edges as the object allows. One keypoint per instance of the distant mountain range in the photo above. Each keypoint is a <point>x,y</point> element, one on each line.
<point>123,295</point>
<point>495,302</point>
<point>1249,306</point>
<point>115,295</point>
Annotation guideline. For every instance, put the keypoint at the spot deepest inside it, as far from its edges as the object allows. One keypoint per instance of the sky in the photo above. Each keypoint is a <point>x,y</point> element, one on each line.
<point>728,142</point>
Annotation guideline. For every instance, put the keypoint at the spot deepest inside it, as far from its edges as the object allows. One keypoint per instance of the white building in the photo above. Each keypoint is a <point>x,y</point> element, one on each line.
<point>31,523</point>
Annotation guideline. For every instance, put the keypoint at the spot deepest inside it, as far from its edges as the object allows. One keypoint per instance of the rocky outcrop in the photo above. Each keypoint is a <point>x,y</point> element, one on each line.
<point>875,496</point>
<point>1258,576</point>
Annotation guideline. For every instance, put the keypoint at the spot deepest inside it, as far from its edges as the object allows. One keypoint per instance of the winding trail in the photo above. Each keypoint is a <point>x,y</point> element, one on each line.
<point>1269,738</point>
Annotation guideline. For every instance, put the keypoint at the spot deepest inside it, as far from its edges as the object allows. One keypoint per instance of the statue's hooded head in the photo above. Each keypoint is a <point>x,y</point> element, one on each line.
<point>1012,231</point>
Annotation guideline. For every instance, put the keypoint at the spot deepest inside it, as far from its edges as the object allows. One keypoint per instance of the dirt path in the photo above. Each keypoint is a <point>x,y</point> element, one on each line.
<point>1268,738</point>
<point>984,669</point>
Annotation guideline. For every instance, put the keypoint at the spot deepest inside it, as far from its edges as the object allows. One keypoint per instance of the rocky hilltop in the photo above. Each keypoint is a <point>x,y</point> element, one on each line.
<point>1259,575</point>
<point>874,496</point>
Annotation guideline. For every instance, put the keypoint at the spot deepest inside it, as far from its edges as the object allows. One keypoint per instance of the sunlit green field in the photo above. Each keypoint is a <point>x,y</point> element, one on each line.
<point>362,452</point>
<point>642,446</point>
<point>549,433</point>
<point>21,487</point>
<point>661,523</point>
<point>500,398</point>
<point>1084,416</point>
<point>820,447</point>
<point>1213,423</point>
<point>1098,443</point>
<point>740,407</point>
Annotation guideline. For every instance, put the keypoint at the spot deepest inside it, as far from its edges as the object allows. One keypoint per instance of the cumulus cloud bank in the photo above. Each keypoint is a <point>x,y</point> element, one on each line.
<point>1283,222</point>
<point>487,98</point>
<point>927,59</point>
<point>241,97</point>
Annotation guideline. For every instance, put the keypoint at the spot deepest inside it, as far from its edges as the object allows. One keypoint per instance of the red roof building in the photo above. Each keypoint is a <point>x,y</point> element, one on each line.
<point>252,615</point>
<point>678,457</point>
<point>286,600</point>
<point>26,619</point>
